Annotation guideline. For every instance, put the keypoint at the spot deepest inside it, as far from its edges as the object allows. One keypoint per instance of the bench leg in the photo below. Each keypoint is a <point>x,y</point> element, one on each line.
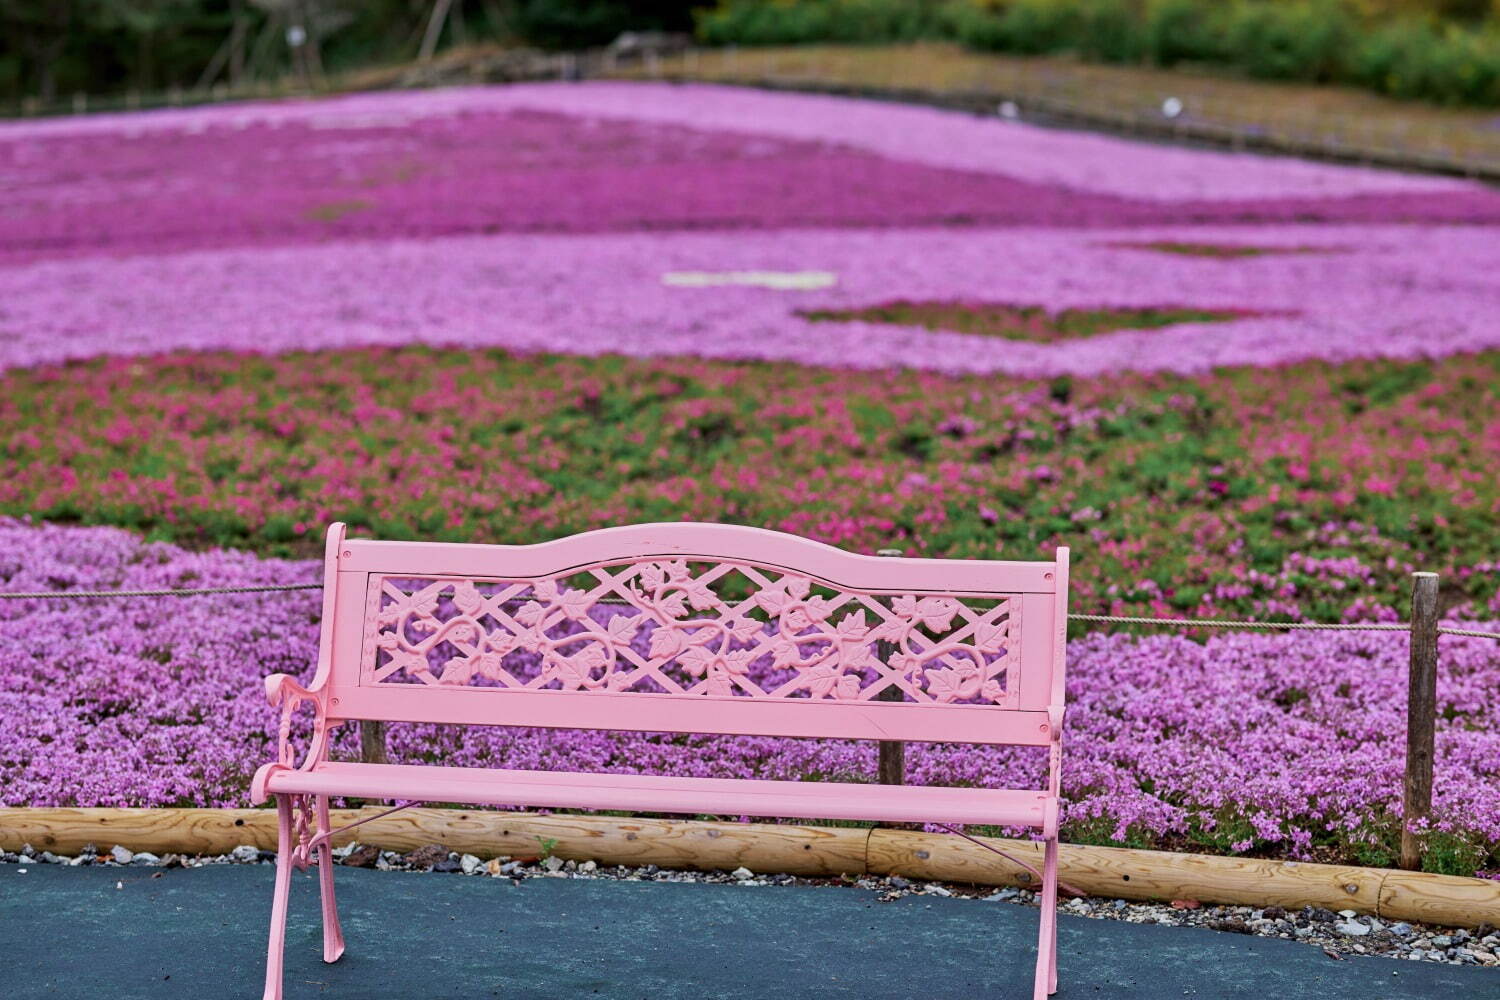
<point>279,898</point>
<point>333,934</point>
<point>1046,953</point>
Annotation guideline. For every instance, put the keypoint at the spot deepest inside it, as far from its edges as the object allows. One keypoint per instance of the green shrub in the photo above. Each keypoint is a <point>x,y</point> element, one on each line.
<point>797,22</point>
<point>1377,62</point>
<point>1418,61</point>
<point>1298,41</point>
<point>1456,67</point>
<point>880,20</point>
<point>1032,27</point>
<point>974,25</point>
<point>1448,853</point>
<point>1111,31</point>
<point>1178,31</point>
<point>1320,41</point>
<point>765,24</point>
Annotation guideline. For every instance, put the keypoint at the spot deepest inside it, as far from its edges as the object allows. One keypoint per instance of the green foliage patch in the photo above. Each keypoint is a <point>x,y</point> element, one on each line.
<point>1012,322</point>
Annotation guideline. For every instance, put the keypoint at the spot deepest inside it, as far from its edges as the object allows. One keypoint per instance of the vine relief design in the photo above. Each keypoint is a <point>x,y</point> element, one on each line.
<point>674,627</point>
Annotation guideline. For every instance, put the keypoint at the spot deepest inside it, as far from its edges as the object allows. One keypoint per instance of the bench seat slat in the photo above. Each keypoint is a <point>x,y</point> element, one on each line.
<point>653,793</point>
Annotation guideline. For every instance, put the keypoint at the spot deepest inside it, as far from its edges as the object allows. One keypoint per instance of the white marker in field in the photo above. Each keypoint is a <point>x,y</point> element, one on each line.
<point>781,281</point>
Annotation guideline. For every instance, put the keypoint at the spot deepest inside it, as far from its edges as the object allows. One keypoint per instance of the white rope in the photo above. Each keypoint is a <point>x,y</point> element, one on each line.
<point>1221,623</point>
<point>1468,631</point>
<point>1105,619</point>
<point>1327,626</point>
<point>53,594</point>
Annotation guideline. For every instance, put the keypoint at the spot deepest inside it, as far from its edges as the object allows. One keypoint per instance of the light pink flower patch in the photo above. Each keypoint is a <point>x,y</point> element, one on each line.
<point>1405,292</point>
<point>1078,160</point>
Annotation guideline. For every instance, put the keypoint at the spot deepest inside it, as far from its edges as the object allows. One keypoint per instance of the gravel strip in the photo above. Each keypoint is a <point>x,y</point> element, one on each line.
<point>1337,933</point>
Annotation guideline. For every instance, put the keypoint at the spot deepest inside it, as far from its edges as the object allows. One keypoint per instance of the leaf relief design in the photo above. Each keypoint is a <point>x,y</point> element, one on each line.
<point>716,630</point>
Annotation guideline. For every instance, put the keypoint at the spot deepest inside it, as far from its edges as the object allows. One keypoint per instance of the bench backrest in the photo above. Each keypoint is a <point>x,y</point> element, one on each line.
<point>703,628</point>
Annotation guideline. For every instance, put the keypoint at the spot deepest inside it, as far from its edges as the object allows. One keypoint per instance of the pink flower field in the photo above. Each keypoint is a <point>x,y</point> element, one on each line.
<point>541,218</point>
<point>759,234</point>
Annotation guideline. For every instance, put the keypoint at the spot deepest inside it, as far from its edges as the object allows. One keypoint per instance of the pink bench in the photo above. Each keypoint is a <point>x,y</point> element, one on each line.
<point>699,628</point>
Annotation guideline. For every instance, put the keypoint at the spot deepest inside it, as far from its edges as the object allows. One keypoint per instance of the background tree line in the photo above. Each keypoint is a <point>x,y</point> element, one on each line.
<point>1443,50</point>
<point>54,48</point>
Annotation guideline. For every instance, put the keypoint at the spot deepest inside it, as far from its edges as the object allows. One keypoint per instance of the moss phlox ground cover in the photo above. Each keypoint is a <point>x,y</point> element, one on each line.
<point>1235,385</point>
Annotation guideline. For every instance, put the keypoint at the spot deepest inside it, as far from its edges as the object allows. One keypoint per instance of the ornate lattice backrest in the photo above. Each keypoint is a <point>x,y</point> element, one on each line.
<point>699,628</point>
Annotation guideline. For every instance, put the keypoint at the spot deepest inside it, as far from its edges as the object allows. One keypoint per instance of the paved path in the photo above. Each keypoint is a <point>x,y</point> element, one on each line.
<point>68,933</point>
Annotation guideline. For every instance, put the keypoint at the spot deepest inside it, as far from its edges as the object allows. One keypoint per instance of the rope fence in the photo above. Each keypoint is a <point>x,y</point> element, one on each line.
<point>34,595</point>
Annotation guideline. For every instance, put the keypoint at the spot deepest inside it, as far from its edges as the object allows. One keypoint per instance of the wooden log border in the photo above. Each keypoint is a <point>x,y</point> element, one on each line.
<point>1110,872</point>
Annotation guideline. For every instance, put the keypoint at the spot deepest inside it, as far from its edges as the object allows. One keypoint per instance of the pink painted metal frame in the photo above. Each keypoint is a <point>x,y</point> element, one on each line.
<point>649,641</point>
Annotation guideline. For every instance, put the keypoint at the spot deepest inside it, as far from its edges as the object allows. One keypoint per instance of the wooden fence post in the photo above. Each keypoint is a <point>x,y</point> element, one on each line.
<point>892,752</point>
<point>1421,716</point>
<point>372,742</point>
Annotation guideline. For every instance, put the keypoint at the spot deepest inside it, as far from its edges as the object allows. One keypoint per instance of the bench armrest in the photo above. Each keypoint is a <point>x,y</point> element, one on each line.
<point>279,686</point>
<point>286,691</point>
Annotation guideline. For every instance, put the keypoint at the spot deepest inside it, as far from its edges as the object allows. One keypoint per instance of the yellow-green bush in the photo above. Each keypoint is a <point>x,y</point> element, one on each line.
<point>1446,51</point>
<point>1296,41</point>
